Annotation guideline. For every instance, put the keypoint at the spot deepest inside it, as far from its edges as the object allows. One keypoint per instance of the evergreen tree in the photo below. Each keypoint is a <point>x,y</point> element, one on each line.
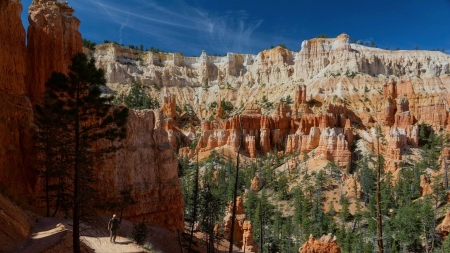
<point>88,118</point>
<point>138,98</point>
<point>51,153</point>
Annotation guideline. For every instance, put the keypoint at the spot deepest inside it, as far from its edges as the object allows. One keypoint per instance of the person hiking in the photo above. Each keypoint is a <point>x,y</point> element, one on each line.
<point>113,226</point>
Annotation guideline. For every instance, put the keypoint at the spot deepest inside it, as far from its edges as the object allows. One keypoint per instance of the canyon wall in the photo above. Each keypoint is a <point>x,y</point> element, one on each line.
<point>146,163</point>
<point>53,39</point>
<point>331,82</point>
<point>16,115</point>
<point>147,166</point>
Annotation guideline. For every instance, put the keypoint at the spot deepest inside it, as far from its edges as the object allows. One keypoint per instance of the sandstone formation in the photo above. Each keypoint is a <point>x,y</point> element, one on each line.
<point>53,38</point>
<point>281,130</point>
<point>148,167</point>
<point>15,226</point>
<point>146,164</point>
<point>16,116</point>
<point>326,244</point>
<point>444,227</point>
<point>425,185</point>
<point>242,235</point>
<point>332,84</point>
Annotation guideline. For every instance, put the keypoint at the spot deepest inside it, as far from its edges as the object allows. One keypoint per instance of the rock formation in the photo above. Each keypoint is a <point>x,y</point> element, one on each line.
<point>147,164</point>
<point>326,244</point>
<point>242,235</point>
<point>16,116</point>
<point>444,227</point>
<point>53,38</point>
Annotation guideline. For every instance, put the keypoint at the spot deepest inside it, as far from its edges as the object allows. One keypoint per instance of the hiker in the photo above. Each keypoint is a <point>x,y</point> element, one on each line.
<point>113,226</point>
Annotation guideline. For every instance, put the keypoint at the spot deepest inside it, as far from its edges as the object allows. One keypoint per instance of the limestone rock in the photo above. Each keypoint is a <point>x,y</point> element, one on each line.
<point>53,38</point>
<point>333,146</point>
<point>326,244</point>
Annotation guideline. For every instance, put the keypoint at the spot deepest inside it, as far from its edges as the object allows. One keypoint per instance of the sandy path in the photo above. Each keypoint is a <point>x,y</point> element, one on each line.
<point>46,234</point>
<point>102,245</point>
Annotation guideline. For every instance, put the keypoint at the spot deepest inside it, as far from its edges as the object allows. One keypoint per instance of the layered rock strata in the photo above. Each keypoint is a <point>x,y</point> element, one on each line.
<point>318,57</point>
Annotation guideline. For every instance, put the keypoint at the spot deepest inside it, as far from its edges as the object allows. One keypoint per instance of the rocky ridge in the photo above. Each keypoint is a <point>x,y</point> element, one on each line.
<point>335,84</point>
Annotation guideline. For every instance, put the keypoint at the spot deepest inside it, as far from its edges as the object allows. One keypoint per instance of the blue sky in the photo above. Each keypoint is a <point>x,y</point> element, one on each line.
<point>249,26</point>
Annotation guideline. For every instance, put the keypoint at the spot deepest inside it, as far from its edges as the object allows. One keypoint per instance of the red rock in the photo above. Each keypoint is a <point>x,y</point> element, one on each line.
<point>16,115</point>
<point>53,38</point>
<point>334,147</point>
<point>169,107</point>
<point>186,152</point>
<point>425,185</point>
<point>248,244</point>
<point>242,234</point>
<point>148,165</point>
<point>326,244</point>
<point>250,145</point>
<point>444,227</point>
<point>300,95</point>
<point>255,185</point>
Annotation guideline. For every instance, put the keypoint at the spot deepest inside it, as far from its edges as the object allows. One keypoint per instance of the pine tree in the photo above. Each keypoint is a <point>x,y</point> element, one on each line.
<point>50,139</point>
<point>88,119</point>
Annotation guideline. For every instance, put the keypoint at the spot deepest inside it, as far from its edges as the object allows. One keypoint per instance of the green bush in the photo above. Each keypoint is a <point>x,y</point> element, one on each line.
<point>139,232</point>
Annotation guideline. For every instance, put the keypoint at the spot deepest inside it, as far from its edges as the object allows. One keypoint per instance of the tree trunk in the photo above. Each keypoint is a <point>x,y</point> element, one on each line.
<point>194,213</point>
<point>379,221</point>
<point>233,216</point>
<point>76,188</point>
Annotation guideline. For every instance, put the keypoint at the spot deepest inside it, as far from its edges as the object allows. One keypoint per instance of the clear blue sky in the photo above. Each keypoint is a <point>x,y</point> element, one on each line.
<point>249,26</point>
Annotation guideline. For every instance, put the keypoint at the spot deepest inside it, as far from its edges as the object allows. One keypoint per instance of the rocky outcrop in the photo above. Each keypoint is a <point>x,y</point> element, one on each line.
<point>333,146</point>
<point>242,235</point>
<point>16,115</point>
<point>397,139</point>
<point>15,223</point>
<point>169,107</point>
<point>256,184</point>
<point>146,164</point>
<point>444,227</point>
<point>53,38</point>
<point>326,244</point>
<point>425,185</point>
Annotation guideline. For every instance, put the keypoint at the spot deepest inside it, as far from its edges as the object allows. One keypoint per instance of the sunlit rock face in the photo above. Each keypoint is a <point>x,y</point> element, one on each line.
<point>325,244</point>
<point>242,235</point>
<point>53,39</point>
<point>331,83</point>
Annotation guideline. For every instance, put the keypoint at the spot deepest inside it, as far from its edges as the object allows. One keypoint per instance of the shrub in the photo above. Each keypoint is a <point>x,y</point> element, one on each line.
<point>139,232</point>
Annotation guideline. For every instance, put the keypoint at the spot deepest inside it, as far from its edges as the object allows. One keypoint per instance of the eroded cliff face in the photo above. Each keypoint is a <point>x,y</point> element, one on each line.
<point>147,166</point>
<point>16,115</point>
<point>325,244</point>
<point>242,235</point>
<point>53,39</point>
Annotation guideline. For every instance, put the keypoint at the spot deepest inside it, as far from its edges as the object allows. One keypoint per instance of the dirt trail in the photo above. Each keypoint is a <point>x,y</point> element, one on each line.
<point>46,235</point>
